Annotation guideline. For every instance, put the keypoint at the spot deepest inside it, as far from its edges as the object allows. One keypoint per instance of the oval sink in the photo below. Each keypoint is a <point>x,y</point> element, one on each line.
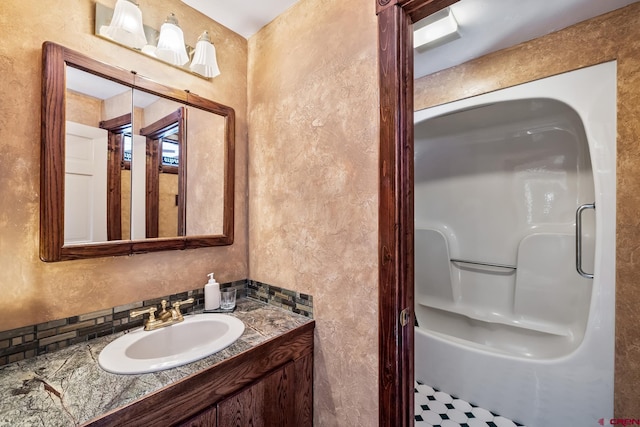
<point>196,337</point>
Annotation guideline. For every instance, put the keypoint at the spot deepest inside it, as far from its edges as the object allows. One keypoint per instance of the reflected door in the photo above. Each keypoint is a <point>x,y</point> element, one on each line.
<point>85,184</point>
<point>96,106</point>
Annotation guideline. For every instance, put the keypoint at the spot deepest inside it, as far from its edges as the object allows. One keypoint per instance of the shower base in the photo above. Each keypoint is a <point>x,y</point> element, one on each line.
<point>436,408</point>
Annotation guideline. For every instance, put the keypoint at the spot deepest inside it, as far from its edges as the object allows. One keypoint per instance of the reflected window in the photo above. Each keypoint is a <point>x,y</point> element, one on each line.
<point>126,153</point>
<point>170,153</point>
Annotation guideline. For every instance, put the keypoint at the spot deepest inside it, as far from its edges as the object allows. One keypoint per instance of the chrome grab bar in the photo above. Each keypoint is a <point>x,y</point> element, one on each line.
<point>579,238</point>
<point>488,264</point>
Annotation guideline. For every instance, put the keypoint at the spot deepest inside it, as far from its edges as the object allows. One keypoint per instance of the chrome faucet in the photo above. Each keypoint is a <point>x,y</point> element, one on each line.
<point>165,317</point>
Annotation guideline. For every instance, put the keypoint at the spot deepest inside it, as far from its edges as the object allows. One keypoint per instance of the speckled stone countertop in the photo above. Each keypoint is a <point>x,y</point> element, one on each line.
<point>68,387</point>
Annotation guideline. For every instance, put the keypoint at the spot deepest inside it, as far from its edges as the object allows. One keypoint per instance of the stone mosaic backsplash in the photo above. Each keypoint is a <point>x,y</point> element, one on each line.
<point>289,300</point>
<point>30,341</point>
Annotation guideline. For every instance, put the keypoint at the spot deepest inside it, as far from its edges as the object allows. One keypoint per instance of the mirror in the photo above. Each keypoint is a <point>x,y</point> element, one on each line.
<point>159,128</point>
<point>129,165</point>
<point>98,123</point>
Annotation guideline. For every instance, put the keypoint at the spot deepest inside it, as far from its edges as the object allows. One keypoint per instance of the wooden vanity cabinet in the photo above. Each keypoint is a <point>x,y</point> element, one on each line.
<point>206,418</point>
<point>268,385</point>
<point>270,401</point>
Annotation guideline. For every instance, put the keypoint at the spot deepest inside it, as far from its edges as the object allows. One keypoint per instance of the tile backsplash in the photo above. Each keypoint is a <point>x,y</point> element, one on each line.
<point>289,300</point>
<point>30,341</point>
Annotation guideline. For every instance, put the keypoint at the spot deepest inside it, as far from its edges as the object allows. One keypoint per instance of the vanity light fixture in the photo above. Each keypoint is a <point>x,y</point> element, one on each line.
<point>126,25</point>
<point>166,45</point>
<point>435,30</point>
<point>171,46</point>
<point>204,59</point>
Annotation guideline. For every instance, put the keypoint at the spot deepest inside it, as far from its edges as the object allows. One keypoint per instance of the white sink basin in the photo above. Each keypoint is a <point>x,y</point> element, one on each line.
<point>198,336</point>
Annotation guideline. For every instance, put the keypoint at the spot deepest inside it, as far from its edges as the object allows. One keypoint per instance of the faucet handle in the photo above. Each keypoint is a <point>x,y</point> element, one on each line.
<point>150,310</point>
<point>177,304</point>
<point>176,307</point>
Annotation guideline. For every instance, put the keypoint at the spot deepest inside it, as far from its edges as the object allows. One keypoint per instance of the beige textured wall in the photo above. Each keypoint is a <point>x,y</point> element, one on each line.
<point>612,36</point>
<point>313,173</point>
<point>35,291</point>
<point>83,109</point>
<point>205,157</point>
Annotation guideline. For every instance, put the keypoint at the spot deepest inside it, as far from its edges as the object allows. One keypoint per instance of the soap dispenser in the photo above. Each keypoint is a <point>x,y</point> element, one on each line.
<point>211,294</point>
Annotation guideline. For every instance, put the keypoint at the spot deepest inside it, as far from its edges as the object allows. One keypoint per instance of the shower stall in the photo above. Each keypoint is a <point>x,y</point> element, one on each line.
<point>515,248</point>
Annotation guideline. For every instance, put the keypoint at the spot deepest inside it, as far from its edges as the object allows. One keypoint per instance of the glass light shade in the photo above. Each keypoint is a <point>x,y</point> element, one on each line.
<point>171,43</point>
<point>204,60</point>
<point>126,25</point>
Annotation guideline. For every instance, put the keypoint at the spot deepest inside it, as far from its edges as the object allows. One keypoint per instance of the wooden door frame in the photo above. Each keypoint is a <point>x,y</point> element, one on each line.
<point>395,226</point>
<point>115,163</point>
<point>154,134</point>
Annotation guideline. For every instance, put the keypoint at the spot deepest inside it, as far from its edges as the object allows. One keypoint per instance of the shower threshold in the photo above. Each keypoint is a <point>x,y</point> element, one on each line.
<point>435,408</point>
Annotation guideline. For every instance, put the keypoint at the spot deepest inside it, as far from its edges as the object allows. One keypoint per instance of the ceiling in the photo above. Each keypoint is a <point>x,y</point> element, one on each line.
<point>485,25</point>
<point>245,17</point>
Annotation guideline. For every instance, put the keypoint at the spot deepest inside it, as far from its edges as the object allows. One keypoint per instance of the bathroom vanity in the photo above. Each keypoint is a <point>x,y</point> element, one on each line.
<point>270,385</point>
<point>264,378</point>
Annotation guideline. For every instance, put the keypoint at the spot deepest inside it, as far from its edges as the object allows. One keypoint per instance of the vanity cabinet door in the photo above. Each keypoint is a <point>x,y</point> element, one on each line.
<point>266,403</point>
<point>206,418</point>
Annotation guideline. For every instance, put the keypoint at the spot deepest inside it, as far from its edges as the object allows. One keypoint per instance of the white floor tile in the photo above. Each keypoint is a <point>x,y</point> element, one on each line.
<point>436,408</point>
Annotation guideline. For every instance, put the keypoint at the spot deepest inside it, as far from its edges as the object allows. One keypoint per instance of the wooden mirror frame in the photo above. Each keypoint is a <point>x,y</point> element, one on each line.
<point>52,247</point>
<point>395,210</point>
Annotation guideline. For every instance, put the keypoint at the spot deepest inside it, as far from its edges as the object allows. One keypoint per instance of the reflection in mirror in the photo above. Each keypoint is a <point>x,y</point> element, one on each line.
<point>116,148</point>
<point>95,197</point>
<point>118,177</point>
<point>206,163</point>
<point>159,131</point>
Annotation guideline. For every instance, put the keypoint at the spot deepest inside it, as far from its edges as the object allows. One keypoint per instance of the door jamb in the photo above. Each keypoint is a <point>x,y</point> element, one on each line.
<point>395,226</point>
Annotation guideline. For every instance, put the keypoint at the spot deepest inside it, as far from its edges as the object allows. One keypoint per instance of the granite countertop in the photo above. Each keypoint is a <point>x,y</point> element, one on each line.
<point>68,387</point>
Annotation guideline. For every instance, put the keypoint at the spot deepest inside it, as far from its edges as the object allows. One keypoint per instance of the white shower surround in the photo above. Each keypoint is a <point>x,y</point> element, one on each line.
<point>569,387</point>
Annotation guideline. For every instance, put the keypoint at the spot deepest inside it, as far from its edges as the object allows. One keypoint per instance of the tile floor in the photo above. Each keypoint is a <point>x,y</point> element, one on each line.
<point>434,408</point>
